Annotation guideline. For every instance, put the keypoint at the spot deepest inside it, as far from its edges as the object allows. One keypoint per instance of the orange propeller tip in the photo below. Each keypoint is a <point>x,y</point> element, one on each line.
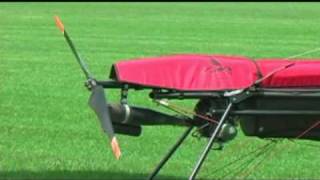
<point>115,148</point>
<point>59,23</point>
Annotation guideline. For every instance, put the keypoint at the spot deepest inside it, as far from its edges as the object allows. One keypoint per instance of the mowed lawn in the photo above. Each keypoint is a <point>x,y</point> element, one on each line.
<point>48,131</point>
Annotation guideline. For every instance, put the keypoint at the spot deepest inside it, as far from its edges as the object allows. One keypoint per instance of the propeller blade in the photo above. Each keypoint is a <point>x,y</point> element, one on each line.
<point>80,60</point>
<point>97,99</point>
<point>98,103</point>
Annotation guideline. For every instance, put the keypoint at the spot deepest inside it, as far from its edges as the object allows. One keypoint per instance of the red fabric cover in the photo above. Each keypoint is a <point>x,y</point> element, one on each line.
<point>194,72</point>
<point>189,72</point>
<point>304,73</point>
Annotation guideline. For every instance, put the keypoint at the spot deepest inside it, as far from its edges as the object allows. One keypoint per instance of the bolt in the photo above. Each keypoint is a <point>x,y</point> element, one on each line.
<point>261,129</point>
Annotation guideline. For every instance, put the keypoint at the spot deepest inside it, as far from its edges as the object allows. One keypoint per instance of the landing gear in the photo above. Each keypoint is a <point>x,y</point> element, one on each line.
<point>213,138</point>
<point>219,130</point>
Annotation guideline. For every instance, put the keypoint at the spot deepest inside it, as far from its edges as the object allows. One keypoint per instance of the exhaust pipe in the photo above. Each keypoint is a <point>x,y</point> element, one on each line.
<point>127,129</point>
<point>129,119</point>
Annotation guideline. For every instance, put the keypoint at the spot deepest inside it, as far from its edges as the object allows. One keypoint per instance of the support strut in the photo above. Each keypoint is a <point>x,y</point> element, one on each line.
<point>170,153</point>
<point>210,143</point>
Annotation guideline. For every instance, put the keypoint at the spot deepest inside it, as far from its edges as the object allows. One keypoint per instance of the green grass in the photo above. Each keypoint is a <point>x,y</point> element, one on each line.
<point>48,131</point>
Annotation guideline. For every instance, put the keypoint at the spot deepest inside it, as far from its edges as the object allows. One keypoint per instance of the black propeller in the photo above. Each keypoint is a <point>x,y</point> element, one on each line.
<point>97,99</point>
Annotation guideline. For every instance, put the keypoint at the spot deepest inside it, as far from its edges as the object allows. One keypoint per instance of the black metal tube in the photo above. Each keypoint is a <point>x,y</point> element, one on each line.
<point>269,112</point>
<point>133,115</point>
<point>111,84</point>
<point>294,94</point>
<point>170,153</point>
<point>311,90</point>
<point>210,143</point>
<point>127,129</point>
<point>297,93</point>
<point>184,95</point>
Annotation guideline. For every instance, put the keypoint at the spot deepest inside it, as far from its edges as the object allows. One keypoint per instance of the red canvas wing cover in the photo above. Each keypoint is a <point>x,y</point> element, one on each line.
<point>188,72</point>
<point>303,73</point>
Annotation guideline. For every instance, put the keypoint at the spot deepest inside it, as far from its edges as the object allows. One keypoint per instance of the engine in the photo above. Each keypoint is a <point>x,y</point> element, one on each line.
<point>206,107</point>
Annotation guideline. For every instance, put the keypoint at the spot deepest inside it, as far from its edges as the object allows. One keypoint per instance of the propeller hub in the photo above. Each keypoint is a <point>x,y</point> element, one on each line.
<point>90,83</point>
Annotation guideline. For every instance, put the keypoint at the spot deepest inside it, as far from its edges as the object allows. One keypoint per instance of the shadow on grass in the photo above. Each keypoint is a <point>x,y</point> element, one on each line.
<point>17,175</point>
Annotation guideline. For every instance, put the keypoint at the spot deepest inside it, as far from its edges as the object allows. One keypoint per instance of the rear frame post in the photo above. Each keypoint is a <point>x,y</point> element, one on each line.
<point>124,94</point>
<point>210,143</point>
<point>170,153</point>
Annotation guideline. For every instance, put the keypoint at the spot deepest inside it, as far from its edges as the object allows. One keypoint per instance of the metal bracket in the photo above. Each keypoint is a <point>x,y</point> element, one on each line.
<point>90,83</point>
<point>124,94</point>
<point>240,97</point>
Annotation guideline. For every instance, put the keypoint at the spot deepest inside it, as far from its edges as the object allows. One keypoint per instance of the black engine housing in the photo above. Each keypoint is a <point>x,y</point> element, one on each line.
<point>280,126</point>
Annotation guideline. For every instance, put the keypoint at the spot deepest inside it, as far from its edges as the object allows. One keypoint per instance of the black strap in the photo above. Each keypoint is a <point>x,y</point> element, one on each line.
<point>259,73</point>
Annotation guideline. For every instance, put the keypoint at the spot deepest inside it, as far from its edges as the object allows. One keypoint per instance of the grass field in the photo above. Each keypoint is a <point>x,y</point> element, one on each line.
<point>48,131</point>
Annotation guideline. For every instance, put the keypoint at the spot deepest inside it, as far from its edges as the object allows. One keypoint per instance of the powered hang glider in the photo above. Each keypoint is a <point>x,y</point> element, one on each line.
<point>268,98</point>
